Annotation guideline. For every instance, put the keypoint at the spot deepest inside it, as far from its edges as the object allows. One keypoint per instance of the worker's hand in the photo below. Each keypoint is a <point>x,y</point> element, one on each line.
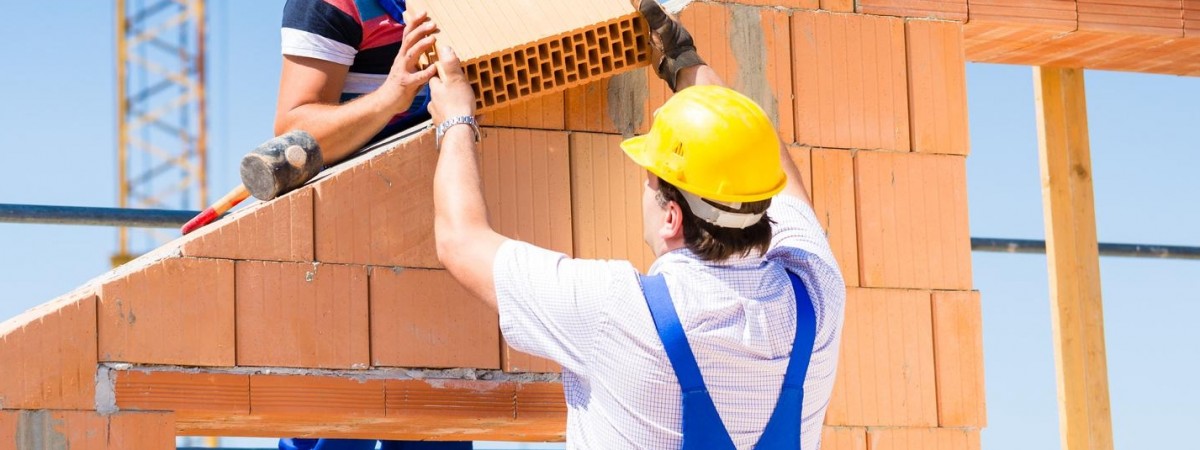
<point>405,79</point>
<point>451,93</point>
<point>672,40</point>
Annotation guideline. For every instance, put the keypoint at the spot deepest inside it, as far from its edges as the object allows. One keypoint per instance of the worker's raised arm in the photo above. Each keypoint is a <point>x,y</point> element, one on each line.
<point>681,67</point>
<point>466,242</point>
<point>310,92</point>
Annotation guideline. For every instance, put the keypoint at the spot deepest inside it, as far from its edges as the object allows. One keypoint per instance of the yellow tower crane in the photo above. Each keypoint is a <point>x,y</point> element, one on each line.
<point>161,136</point>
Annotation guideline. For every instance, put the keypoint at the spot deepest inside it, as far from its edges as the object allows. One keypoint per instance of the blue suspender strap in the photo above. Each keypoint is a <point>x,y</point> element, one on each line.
<point>783,429</point>
<point>702,426</point>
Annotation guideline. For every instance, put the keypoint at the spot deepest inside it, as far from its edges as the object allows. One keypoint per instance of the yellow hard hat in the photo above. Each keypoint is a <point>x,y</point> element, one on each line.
<point>713,142</point>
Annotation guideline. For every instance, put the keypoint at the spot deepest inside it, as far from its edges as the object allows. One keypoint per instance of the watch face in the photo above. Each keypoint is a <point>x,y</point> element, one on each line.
<point>674,6</point>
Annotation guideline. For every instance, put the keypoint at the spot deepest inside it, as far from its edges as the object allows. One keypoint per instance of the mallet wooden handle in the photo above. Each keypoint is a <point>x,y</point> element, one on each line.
<point>220,207</point>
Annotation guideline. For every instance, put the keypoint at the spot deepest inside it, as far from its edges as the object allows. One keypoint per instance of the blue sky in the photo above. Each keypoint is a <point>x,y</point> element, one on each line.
<point>57,132</point>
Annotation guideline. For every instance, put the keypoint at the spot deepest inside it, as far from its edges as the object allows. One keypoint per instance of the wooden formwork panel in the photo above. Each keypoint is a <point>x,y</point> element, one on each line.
<point>886,365</point>
<point>937,9</point>
<point>851,81</point>
<point>48,356</point>
<point>174,311</point>
<point>937,86</point>
<point>302,315</point>
<point>425,318</point>
<point>912,221</point>
<point>516,50</point>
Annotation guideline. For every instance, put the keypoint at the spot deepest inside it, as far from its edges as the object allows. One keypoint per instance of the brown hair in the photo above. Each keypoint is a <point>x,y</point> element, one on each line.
<point>712,243</point>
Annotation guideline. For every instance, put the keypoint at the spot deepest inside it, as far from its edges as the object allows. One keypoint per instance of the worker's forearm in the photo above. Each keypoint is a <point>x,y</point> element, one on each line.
<point>700,75</point>
<point>340,129</point>
<point>459,207</point>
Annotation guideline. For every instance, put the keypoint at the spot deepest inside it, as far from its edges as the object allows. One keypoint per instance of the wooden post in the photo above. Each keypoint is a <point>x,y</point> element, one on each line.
<point>1085,419</point>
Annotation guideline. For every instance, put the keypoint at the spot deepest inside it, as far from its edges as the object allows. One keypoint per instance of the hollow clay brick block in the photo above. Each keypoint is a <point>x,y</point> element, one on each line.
<point>606,189</point>
<point>912,221</point>
<point>540,401</point>
<point>750,48</point>
<point>922,439</point>
<point>547,112</point>
<point>302,315</point>
<point>527,185</point>
<point>937,86</point>
<point>49,356</point>
<point>424,318</point>
<point>617,105</point>
<point>843,438</point>
<point>1191,18</point>
<point>86,430</point>
<point>787,4</point>
<point>451,398</point>
<point>1055,14</point>
<point>935,9</point>
<point>1158,17</point>
<point>380,213</point>
<point>316,395</point>
<point>515,50</point>
<point>851,81</point>
<point>280,230</point>
<point>186,392</point>
<point>514,361</point>
<point>838,5</point>
<point>833,201</point>
<point>802,157</point>
<point>886,369</point>
<point>958,359</point>
<point>178,311</point>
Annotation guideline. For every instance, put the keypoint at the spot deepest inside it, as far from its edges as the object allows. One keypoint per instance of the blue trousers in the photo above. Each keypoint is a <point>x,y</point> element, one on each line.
<point>368,444</point>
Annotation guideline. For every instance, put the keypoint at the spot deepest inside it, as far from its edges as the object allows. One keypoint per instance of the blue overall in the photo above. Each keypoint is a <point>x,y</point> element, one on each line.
<point>702,426</point>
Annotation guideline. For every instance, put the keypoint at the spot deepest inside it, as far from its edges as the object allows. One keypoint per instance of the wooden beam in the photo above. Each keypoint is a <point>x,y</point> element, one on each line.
<point>1085,419</point>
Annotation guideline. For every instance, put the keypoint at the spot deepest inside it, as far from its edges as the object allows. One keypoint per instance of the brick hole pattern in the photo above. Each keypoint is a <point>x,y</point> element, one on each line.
<point>559,62</point>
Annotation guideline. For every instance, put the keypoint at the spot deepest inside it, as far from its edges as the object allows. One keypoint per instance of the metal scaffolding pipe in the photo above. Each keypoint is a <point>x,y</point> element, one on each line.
<point>1106,249</point>
<point>109,217</point>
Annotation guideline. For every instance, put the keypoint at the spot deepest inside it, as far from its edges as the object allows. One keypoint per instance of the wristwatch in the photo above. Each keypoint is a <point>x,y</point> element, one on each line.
<point>460,120</point>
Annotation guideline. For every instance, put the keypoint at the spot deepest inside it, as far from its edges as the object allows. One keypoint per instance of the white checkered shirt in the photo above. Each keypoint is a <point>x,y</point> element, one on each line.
<point>739,316</point>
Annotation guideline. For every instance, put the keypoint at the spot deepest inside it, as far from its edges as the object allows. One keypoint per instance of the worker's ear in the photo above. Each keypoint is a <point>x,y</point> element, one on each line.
<point>672,227</point>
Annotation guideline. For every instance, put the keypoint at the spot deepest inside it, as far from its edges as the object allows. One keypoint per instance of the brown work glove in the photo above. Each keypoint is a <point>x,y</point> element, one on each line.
<point>672,40</point>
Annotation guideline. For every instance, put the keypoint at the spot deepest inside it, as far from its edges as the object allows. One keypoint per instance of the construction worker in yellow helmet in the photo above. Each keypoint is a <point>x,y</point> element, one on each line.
<point>731,339</point>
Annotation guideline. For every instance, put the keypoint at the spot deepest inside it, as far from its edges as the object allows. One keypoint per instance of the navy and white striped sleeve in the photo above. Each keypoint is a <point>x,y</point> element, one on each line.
<point>319,29</point>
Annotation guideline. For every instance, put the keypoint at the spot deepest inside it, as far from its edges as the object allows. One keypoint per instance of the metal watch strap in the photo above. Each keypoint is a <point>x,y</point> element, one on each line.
<point>451,122</point>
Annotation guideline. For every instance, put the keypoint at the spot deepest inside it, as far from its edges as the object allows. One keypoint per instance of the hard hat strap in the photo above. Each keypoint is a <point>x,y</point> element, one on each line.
<point>707,212</point>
